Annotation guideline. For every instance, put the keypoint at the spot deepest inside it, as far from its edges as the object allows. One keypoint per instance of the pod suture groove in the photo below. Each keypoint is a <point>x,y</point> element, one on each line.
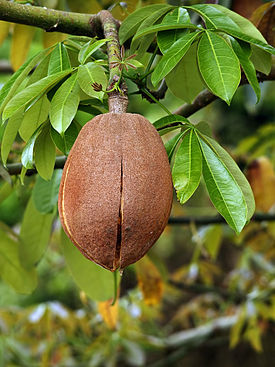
<point>116,190</point>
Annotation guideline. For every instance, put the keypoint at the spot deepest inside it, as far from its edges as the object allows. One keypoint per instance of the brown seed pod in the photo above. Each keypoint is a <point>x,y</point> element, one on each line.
<point>116,190</point>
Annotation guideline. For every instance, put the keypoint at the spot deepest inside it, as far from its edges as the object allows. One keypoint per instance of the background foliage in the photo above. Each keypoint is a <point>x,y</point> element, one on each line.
<point>200,286</point>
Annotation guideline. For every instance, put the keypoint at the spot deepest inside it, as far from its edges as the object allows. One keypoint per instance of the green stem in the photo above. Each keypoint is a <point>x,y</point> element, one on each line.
<point>115,288</point>
<point>146,91</point>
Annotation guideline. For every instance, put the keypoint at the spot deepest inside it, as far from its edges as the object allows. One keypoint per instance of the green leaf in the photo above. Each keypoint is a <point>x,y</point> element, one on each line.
<point>173,56</point>
<point>219,17</point>
<point>95,281</point>
<point>44,153</point>
<point>34,234</point>
<point>185,80</point>
<point>187,168</point>
<point>45,193</point>
<point>243,23</point>
<point>234,170</point>
<point>64,104</point>
<point>164,27</point>
<point>144,43</point>
<point>59,60</point>
<point>130,25</point>
<point>243,51</point>
<point>89,48</point>
<point>92,73</point>
<point>34,117</point>
<point>11,269</point>
<point>171,120</point>
<point>218,65</point>
<point>9,89</point>
<point>166,39</point>
<point>261,59</point>
<point>32,92</point>
<point>28,152</point>
<point>64,143</point>
<point>41,70</point>
<point>10,133</point>
<point>223,189</point>
<point>171,144</point>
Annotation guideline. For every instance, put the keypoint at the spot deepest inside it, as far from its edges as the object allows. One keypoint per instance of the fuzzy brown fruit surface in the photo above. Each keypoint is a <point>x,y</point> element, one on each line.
<point>116,190</point>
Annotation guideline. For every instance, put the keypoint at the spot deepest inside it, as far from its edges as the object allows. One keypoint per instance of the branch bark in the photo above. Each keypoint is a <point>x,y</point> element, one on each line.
<point>51,20</point>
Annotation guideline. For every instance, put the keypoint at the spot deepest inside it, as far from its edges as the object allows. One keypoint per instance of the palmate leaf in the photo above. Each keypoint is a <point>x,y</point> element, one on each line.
<point>130,25</point>
<point>173,56</point>
<point>11,269</point>
<point>64,143</point>
<point>45,193</point>
<point>9,89</point>
<point>243,51</point>
<point>175,121</point>
<point>235,171</point>
<point>166,39</point>
<point>187,168</point>
<point>27,158</point>
<point>219,17</point>
<point>34,117</point>
<point>224,191</point>
<point>34,234</point>
<point>64,104</point>
<point>59,60</point>
<point>91,73</point>
<point>164,27</point>
<point>219,66</point>
<point>183,83</point>
<point>44,153</point>
<point>143,43</point>
<point>95,281</point>
<point>10,133</point>
<point>89,48</point>
<point>172,143</point>
<point>261,60</point>
<point>32,92</point>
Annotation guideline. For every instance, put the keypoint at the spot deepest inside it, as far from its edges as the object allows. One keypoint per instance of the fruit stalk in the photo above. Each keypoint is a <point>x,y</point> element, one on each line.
<point>118,99</point>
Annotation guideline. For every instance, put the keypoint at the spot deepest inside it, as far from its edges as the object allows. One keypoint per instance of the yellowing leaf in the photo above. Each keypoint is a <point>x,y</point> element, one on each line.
<point>261,177</point>
<point>4,31</point>
<point>109,313</point>
<point>51,38</point>
<point>149,281</point>
<point>20,45</point>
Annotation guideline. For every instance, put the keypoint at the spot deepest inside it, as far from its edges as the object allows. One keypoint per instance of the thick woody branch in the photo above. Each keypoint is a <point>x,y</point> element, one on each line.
<point>49,19</point>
